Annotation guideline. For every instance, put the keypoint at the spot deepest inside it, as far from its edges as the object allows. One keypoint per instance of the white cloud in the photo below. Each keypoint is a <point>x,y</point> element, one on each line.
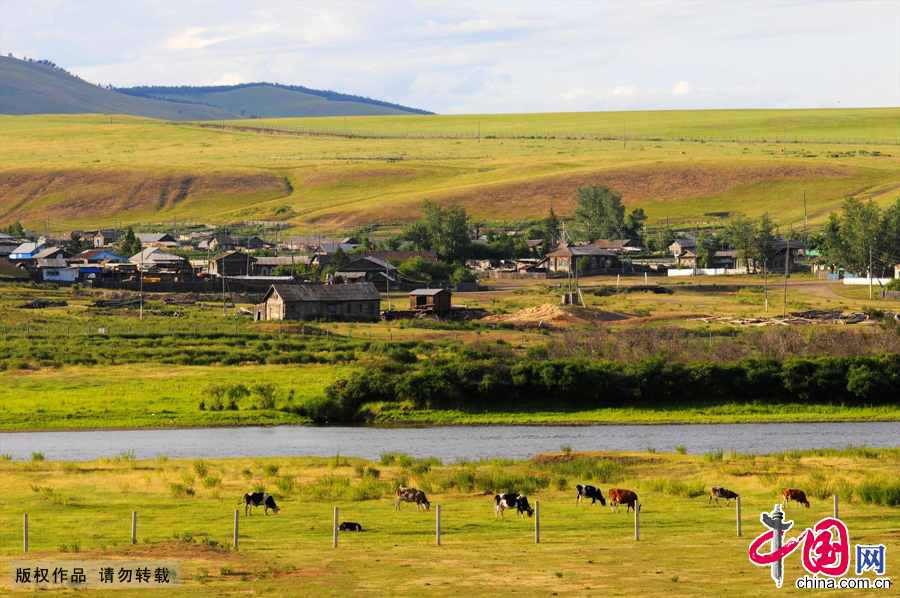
<point>486,57</point>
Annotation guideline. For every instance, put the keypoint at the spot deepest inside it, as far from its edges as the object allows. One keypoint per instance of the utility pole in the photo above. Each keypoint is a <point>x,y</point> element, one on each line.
<point>222,274</point>
<point>805,218</point>
<point>766,282</point>
<point>387,281</point>
<point>142,283</point>
<point>787,259</point>
<point>479,130</point>
<point>623,135</point>
<point>784,141</point>
<point>870,270</point>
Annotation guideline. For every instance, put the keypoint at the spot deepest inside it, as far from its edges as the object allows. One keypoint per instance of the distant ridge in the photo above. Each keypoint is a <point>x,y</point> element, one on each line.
<point>40,87</point>
<point>197,95</point>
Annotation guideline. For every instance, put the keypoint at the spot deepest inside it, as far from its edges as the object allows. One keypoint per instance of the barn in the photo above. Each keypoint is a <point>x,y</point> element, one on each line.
<point>436,301</point>
<point>297,302</point>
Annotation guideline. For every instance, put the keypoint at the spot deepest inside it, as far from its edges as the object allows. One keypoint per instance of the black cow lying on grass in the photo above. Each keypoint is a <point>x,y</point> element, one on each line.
<point>519,502</point>
<point>349,526</point>
<point>259,499</point>
<point>591,492</point>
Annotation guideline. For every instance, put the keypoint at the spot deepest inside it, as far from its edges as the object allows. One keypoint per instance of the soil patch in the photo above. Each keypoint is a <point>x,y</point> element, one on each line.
<point>554,316</point>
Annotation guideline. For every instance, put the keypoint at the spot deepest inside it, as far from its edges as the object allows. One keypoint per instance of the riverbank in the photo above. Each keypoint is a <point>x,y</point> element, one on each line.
<point>185,511</point>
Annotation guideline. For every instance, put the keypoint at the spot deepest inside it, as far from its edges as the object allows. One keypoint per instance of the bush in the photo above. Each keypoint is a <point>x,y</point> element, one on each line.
<point>714,455</point>
<point>247,474</point>
<point>37,456</point>
<point>879,491</point>
<point>201,468</point>
<point>270,470</point>
<point>265,393</point>
<point>681,449</point>
<point>211,481</point>
<point>566,449</point>
<point>180,490</point>
<point>562,484</point>
<point>285,485</point>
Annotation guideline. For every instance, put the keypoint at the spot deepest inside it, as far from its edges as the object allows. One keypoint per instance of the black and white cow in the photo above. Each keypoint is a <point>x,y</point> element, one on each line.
<point>349,526</point>
<point>519,502</point>
<point>415,495</point>
<point>259,499</point>
<point>592,492</point>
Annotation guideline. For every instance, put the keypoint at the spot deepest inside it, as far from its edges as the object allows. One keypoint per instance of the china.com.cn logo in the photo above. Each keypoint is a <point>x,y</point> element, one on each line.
<point>826,549</point>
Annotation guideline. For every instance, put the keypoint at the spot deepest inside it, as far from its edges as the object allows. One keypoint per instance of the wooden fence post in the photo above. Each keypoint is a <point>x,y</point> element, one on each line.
<point>134,527</point>
<point>637,521</point>
<point>335,526</point>
<point>835,506</point>
<point>537,522</point>
<point>236,519</point>
<point>739,516</point>
<point>438,525</point>
<point>25,532</point>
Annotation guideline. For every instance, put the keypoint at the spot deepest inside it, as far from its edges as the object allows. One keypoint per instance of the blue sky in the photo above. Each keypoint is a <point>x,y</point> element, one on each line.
<point>486,57</point>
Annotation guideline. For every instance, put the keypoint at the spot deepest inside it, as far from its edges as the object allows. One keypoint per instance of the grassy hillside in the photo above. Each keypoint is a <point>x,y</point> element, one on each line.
<point>31,88</point>
<point>81,171</point>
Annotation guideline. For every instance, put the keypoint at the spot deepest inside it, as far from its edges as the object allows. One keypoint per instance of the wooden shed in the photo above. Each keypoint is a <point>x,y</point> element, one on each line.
<point>436,301</point>
<point>296,302</point>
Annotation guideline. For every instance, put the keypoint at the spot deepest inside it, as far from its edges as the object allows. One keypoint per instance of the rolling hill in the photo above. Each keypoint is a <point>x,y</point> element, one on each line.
<point>79,171</point>
<point>34,88</point>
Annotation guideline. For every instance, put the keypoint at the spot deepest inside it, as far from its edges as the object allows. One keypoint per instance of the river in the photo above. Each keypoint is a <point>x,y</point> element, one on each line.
<point>445,442</point>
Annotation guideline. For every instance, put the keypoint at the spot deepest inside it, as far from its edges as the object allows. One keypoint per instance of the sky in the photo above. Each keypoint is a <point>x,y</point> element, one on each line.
<point>486,57</point>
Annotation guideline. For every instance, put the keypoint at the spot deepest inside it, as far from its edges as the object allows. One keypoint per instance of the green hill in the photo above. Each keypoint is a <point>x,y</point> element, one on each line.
<point>268,100</point>
<point>32,88</point>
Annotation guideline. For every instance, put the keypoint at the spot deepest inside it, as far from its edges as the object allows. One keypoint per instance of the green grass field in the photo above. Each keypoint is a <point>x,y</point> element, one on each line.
<point>80,171</point>
<point>83,511</point>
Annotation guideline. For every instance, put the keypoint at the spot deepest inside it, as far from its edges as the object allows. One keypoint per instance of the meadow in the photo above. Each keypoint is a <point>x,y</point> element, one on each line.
<point>82,171</point>
<point>82,510</point>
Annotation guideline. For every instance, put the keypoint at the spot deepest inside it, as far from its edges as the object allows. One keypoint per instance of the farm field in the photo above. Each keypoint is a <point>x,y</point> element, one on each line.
<point>83,511</point>
<point>78,170</point>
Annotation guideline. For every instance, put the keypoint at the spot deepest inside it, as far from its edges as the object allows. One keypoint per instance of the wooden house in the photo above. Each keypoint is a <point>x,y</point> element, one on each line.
<point>436,301</point>
<point>297,302</point>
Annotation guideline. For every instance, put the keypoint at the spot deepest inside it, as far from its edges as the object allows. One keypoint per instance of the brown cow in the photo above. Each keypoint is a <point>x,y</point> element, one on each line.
<point>411,495</point>
<point>720,492</point>
<point>792,494</point>
<point>625,497</point>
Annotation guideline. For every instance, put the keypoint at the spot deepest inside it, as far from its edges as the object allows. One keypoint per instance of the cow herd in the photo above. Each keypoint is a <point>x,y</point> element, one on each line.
<point>519,502</point>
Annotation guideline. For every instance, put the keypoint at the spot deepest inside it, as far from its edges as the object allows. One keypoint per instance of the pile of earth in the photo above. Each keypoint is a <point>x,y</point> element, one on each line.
<point>555,316</point>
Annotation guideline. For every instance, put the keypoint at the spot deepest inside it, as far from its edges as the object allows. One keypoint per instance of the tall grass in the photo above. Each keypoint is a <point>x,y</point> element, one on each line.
<point>673,487</point>
<point>879,491</point>
<point>586,469</point>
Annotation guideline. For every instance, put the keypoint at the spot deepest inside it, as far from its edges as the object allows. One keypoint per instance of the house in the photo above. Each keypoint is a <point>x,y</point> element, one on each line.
<point>686,243</point>
<point>897,271</point>
<point>727,259</point>
<point>370,269</point>
<point>26,251</point>
<point>7,246</point>
<point>233,263</point>
<point>265,266</point>
<point>785,251</point>
<point>53,253</point>
<point>97,256</point>
<point>323,253</point>
<point>618,245</point>
<point>10,272</point>
<point>310,243</point>
<point>100,238</point>
<point>436,301</point>
<point>57,271</point>
<point>296,302</point>
<point>156,257</point>
<point>567,258</point>
<point>163,240</point>
<point>255,242</point>
<point>687,258</point>
<point>218,243</point>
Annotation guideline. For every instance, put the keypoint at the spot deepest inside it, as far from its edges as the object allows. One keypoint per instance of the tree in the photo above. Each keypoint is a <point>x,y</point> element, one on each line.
<point>635,222</point>
<point>444,230</point>
<point>15,229</point>
<point>584,264</point>
<point>661,240</point>
<point>131,245</point>
<point>415,270</point>
<point>339,258</point>
<point>76,244</point>
<point>740,234</point>
<point>763,240</point>
<point>600,213</point>
<point>552,227</point>
<point>706,250</point>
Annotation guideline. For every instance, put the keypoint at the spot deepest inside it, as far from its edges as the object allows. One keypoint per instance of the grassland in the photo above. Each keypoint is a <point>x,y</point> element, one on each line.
<point>79,170</point>
<point>687,548</point>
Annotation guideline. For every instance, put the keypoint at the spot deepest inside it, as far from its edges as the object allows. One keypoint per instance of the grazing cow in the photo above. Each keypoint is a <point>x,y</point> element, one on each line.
<point>259,499</point>
<point>720,492</point>
<point>592,492</point>
<point>792,494</point>
<point>621,497</point>
<point>519,502</point>
<point>411,495</point>
<point>349,526</point>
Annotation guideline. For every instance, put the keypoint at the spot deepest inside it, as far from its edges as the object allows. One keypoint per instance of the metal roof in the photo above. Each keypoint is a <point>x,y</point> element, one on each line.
<point>323,292</point>
<point>427,292</point>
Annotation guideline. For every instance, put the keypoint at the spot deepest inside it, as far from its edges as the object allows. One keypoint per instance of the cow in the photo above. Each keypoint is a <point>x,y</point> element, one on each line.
<point>411,495</point>
<point>519,502</point>
<point>349,526</point>
<point>259,499</point>
<point>592,492</point>
<point>623,497</point>
<point>720,492</point>
<point>792,494</point>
